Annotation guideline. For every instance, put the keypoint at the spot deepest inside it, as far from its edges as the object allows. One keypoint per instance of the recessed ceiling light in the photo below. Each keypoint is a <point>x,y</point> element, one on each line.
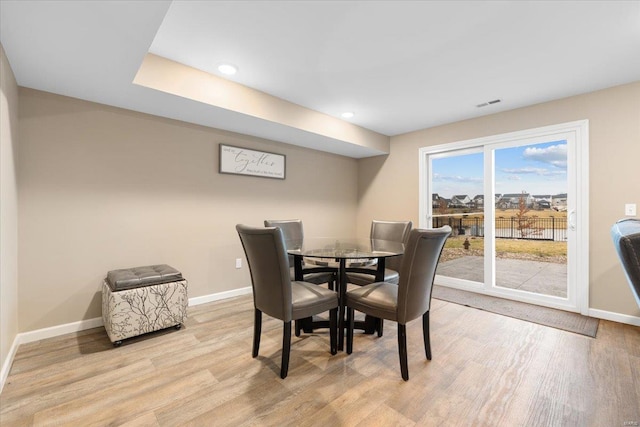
<point>347,114</point>
<point>227,69</point>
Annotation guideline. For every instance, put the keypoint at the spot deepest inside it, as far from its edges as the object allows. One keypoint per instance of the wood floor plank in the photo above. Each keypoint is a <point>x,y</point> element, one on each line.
<point>253,400</point>
<point>117,405</point>
<point>385,416</point>
<point>352,406</point>
<point>70,392</point>
<point>147,419</point>
<point>202,404</point>
<point>300,407</point>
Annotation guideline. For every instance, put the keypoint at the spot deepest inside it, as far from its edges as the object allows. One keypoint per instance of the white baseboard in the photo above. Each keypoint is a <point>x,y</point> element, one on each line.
<point>614,317</point>
<point>54,331</point>
<point>219,296</point>
<point>6,366</point>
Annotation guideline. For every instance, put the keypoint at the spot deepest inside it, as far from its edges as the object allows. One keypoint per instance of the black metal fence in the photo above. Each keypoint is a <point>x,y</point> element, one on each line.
<point>530,228</point>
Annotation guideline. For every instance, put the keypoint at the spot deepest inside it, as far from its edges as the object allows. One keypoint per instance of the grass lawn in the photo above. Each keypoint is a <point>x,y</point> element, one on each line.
<point>545,213</point>
<point>507,213</point>
<point>541,250</point>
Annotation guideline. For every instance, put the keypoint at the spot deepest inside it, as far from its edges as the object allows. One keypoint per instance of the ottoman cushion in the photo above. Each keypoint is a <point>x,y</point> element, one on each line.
<point>130,278</point>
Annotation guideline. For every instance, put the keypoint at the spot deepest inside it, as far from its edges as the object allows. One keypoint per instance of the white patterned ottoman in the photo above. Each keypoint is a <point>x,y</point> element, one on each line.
<point>139,300</point>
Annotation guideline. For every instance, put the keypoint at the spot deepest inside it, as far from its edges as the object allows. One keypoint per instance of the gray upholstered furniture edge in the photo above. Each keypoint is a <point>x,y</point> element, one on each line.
<point>626,239</point>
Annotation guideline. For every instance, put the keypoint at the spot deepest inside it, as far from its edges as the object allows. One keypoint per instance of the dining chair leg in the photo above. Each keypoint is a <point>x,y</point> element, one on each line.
<point>380,327</point>
<point>342,292</point>
<point>257,330</point>
<point>333,330</point>
<point>425,335</point>
<point>286,349</point>
<point>350,327</point>
<point>402,351</point>
<point>307,325</point>
<point>298,327</point>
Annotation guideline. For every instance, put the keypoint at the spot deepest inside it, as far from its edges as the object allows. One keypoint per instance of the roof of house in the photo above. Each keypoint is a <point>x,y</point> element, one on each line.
<point>515,195</point>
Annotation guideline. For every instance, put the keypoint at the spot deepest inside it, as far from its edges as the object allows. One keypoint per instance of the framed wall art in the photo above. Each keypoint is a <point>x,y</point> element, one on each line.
<point>243,161</point>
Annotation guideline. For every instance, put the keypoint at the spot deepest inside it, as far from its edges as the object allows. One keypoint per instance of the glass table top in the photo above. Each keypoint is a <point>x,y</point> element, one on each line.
<point>339,248</point>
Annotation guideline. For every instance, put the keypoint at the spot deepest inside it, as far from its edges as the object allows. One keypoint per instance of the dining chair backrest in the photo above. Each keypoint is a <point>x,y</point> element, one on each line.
<point>291,230</point>
<point>626,239</point>
<point>395,231</point>
<point>421,256</point>
<point>267,259</point>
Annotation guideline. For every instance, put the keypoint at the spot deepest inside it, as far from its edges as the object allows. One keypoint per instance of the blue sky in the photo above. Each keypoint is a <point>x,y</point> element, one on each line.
<point>535,169</point>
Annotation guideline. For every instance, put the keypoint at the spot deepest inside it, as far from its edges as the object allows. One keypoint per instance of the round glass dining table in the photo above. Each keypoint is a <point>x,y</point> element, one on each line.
<point>340,255</point>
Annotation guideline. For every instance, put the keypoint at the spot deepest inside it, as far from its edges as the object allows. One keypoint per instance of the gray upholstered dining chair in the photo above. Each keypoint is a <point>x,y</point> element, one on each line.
<point>626,239</point>
<point>293,231</point>
<point>395,231</point>
<point>276,295</point>
<point>410,298</point>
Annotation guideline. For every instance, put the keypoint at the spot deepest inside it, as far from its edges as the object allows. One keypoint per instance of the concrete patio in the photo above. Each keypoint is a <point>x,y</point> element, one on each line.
<point>533,276</point>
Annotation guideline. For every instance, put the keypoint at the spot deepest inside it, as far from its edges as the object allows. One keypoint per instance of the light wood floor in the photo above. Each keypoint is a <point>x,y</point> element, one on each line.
<point>487,370</point>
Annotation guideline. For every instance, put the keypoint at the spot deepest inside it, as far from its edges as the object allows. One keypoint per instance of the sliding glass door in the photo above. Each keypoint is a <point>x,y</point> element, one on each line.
<point>517,207</point>
<point>530,224</point>
<point>457,200</point>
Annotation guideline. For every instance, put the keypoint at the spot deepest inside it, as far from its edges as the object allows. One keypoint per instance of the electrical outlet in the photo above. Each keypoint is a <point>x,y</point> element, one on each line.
<point>630,209</point>
<point>238,262</point>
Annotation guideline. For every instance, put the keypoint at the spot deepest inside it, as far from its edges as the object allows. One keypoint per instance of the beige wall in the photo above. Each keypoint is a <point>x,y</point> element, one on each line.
<point>8,209</point>
<point>104,188</point>
<point>614,127</point>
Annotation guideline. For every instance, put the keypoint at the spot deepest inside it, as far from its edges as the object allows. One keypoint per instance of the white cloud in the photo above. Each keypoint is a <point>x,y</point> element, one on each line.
<point>535,171</point>
<point>555,155</point>
<point>456,178</point>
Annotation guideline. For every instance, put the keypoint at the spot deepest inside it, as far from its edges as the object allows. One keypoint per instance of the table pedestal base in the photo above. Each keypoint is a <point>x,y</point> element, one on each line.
<point>370,325</point>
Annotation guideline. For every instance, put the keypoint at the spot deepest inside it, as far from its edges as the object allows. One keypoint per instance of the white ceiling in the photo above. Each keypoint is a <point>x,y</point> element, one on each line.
<point>401,66</point>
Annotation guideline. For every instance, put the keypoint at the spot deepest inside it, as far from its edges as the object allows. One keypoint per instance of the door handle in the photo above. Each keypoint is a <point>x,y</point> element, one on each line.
<point>572,219</point>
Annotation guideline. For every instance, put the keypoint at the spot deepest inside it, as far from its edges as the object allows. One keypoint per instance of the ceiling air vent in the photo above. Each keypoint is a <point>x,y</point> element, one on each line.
<point>484,104</point>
